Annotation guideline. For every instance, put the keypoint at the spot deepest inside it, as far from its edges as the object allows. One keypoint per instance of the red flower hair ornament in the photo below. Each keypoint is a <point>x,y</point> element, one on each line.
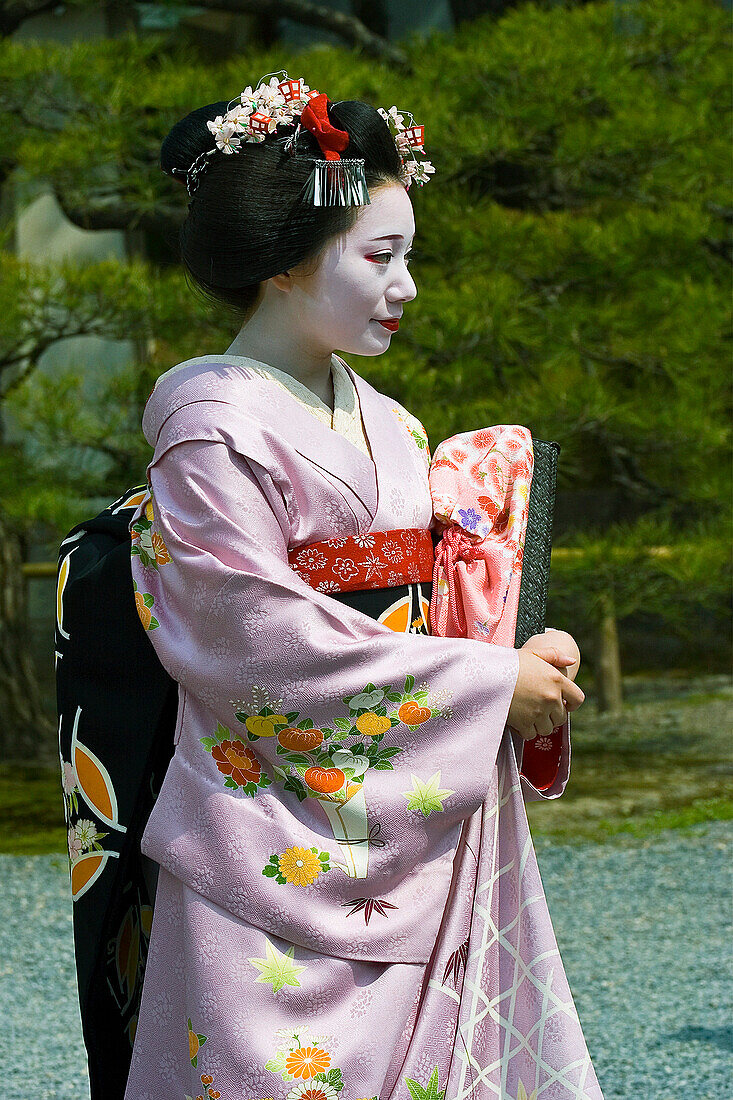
<point>334,181</point>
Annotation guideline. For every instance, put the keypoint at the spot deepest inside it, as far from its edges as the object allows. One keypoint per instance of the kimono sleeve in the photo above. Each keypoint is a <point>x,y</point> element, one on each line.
<point>301,717</point>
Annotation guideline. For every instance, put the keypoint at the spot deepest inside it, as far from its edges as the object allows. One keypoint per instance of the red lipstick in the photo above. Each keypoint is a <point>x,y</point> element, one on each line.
<point>391,325</point>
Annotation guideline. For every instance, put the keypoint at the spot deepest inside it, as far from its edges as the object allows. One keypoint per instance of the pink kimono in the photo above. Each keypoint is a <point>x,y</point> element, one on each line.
<point>348,903</point>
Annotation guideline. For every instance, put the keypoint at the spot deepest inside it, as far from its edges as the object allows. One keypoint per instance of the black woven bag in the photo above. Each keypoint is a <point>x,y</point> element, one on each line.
<point>537,543</point>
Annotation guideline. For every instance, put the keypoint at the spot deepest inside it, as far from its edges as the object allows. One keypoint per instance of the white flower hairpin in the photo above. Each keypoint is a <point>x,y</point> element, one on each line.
<point>277,100</point>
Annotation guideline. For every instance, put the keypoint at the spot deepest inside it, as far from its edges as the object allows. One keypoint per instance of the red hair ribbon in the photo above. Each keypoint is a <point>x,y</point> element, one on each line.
<point>314,117</point>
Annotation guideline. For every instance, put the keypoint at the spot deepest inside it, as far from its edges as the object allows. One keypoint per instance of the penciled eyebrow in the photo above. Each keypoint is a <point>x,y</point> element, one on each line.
<point>391,237</point>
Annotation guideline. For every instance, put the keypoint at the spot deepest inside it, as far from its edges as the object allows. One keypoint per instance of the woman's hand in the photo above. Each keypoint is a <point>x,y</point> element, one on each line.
<point>542,692</point>
<point>562,641</point>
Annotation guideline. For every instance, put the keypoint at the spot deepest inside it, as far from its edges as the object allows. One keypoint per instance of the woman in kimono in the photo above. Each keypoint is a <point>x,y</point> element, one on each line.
<point>341,908</point>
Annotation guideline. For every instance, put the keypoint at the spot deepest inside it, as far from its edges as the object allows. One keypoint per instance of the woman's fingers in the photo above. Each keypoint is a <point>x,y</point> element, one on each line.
<point>572,695</point>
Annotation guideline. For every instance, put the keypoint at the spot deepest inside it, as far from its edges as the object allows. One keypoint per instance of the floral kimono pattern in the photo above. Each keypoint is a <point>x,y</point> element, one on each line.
<point>333,786</point>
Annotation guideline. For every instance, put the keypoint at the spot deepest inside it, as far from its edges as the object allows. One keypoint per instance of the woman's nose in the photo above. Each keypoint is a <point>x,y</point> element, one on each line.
<point>403,288</point>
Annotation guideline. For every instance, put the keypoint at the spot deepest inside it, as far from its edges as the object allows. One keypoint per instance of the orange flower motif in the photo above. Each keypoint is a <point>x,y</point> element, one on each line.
<point>206,1079</point>
<point>412,714</point>
<point>371,725</point>
<point>214,1095</point>
<point>143,611</point>
<point>300,740</point>
<point>161,552</point>
<point>307,1062</point>
<point>324,780</point>
<point>235,759</point>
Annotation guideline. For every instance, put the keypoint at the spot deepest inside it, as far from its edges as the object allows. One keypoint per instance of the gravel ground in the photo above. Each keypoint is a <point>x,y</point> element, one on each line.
<point>644,930</point>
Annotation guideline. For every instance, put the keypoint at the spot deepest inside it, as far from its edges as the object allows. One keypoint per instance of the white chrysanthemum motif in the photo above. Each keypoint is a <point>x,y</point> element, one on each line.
<point>311,558</point>
<point>392,551</point>
<point>544,743</point>
<point>305,1088</point>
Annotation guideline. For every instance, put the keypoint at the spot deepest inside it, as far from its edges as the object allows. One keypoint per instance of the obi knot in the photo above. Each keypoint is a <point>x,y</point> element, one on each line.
<point>455,545</point>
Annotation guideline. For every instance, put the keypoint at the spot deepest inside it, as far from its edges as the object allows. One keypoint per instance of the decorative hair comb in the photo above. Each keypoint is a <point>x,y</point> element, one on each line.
<point>278,101</point>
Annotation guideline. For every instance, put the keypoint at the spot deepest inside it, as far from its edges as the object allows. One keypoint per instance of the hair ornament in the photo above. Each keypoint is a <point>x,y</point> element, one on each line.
<point>409,140</point>
<point>277,100</point>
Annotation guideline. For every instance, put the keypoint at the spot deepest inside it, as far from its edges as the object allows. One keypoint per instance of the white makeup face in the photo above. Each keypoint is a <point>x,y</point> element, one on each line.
<point>362,279</point>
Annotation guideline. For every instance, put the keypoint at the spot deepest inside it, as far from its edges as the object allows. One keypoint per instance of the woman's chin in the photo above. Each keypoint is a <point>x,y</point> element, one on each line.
<point>370,344</point>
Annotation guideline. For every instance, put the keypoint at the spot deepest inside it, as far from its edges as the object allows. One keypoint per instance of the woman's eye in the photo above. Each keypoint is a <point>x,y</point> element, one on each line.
<point>385,257</point>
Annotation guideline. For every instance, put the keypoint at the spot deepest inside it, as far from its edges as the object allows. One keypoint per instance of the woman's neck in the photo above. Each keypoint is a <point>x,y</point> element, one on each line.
<point>314,374</point>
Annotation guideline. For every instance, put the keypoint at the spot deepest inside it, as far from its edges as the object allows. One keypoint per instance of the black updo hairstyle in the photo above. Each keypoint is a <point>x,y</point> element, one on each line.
<point>246,221</point>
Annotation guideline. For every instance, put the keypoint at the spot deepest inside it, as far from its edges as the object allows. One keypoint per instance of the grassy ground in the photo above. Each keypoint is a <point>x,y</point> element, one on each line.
<point>665,762</point>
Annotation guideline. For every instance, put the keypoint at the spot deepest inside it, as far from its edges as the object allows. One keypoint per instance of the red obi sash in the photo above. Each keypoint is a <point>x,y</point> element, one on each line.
<point>389,559</point>
<point>380,559</point>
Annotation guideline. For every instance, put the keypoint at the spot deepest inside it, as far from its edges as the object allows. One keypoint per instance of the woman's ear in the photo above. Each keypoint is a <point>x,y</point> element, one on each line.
<point>283,281</point>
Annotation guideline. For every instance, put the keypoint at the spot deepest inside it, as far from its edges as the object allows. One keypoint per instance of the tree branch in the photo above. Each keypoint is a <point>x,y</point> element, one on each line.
<point>347,27</point>
<point>15,12</point>
<point>118,215</point>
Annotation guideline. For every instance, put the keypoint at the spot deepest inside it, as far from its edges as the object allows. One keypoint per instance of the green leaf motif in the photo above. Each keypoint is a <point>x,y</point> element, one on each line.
<point>278,969</point>
<point>222,733</point>
<point>431,1091</point>
<point>426,797</point>
<point>294,785</point>
<point>208,742</point>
